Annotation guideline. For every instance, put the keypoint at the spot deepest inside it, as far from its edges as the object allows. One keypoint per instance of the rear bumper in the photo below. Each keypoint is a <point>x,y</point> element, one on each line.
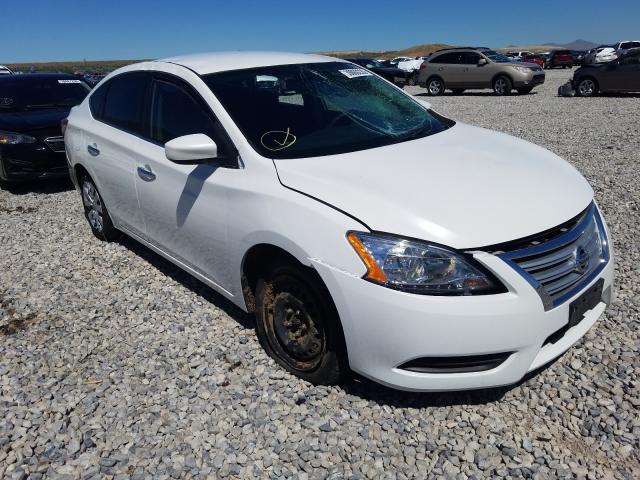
<point>385,329</point>
<point>31,162</point>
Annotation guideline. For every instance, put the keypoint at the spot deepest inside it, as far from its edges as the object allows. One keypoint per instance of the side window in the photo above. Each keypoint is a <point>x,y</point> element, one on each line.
<point>125,101</point>
<point>96,102</point>
<point>450,58</point>
<point>630,60</point>
<point>175,112</point>
<point>471,58</point>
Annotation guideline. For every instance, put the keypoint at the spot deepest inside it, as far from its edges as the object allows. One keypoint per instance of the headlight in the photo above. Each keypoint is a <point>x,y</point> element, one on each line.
<point>419,267</point>
<point>521,69</point>
<point>10,138</point>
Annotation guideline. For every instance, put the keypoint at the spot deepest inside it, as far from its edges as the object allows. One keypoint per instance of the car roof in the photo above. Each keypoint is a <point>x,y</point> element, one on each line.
<point>205,63</point>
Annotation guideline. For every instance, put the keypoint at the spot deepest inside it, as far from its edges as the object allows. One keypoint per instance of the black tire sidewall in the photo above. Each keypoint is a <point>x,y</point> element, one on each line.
<point>442,87</point>
<point>333,364</point>
<point>508,88</point>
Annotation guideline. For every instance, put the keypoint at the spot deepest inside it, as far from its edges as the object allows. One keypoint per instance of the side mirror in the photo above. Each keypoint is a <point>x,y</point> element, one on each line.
<point>424,103</point>
<point>482,61</point>
<point>191,148</point>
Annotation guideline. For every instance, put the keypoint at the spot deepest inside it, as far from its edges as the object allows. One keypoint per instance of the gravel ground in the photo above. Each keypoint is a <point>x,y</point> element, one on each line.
<point>114,363</point>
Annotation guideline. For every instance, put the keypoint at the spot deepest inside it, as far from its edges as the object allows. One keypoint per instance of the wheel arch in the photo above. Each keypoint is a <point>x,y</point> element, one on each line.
<point>261,256</point>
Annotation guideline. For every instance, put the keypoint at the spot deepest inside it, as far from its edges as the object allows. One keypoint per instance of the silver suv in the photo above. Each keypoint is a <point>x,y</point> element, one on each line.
<point>460,68</point>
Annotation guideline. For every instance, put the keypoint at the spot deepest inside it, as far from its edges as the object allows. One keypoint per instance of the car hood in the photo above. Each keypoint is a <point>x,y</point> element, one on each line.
<point>465,187</point>
<point>32,120</point>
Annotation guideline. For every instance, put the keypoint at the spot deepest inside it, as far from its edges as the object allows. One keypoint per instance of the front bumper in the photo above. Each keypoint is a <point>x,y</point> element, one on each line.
<point>386,328</point>
<point>33,161</point>
<point>529,80</point>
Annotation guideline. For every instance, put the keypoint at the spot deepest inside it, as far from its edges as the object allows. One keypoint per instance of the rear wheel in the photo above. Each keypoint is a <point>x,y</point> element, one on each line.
<point>95,211</point>
<point>587,87</point>
<point>457,91</point>
<point>502,85</point>
<point>435,86</point>
<point>298,325</point>
<point>525,90</point>
<point>412,81</point>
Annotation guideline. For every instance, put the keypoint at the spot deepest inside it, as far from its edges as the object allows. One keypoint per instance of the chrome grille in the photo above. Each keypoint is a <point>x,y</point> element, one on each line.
<point>55,143</point>
<point>565,264</point>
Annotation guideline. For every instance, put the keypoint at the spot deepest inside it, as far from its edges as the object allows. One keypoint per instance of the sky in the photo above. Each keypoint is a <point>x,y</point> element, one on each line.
<point>48,30</point>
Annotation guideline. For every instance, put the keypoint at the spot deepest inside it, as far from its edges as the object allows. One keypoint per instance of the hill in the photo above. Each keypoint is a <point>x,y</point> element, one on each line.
<point>415,51</point>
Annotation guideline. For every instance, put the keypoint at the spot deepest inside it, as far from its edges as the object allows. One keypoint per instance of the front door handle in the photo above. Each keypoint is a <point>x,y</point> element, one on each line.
<point>145,173</point>
<point>93,150</point>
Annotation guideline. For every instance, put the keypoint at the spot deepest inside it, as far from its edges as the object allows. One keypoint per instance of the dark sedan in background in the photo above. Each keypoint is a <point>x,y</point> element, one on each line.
<point>393,74</point>
<point>31,109</point>
<point>621,75</point>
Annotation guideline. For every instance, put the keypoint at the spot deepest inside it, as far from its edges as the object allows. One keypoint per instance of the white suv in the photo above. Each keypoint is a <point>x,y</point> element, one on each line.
<point>366,231</point>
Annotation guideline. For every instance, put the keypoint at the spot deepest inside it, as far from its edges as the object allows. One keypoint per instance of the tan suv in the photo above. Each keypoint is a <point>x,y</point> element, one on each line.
<point>460,68</point>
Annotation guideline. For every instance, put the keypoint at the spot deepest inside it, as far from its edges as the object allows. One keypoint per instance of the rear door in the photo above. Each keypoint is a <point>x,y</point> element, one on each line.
<point>113,143</point>
<point>450,67</point>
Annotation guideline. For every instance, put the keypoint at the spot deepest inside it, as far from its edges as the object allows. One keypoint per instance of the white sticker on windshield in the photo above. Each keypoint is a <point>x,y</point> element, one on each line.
<point>69,81</point>
<point>355,72</point>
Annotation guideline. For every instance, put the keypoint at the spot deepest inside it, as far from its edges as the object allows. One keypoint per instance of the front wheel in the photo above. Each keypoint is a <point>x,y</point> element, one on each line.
<point>435,86</point>
<point>525,90</point>
<point>502,85</point>
<point>412,81</point>
<point>587,87</point>
<point>298,325</point>
<point>95,211</point>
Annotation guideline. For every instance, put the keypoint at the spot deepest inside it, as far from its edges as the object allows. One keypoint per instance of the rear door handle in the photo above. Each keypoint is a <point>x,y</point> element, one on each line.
<point>93,150</point>
<point>145,173</point>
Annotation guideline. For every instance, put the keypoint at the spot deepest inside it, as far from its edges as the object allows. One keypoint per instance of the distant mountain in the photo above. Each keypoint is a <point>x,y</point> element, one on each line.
<point>578,44</point>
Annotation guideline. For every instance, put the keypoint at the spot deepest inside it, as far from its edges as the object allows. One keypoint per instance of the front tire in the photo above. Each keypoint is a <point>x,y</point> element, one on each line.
<point>95,211</point>
<point>502,85</point>
<point>587,87</point>
<point>435,86</point>
<point>298,325</point>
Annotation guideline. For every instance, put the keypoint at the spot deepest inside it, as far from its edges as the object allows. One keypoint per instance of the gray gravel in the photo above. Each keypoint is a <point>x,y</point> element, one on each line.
<point>114,363</point>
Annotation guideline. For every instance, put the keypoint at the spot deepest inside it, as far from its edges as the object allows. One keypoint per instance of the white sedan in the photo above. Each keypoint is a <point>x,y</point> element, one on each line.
<point>367,232</point>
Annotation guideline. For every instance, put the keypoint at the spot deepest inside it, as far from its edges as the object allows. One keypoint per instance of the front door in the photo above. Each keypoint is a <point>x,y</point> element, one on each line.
<point>185,206</point>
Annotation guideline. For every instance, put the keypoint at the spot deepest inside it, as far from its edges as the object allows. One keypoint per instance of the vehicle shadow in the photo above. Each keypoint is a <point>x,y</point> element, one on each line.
<point>39,186</point>
<point>368,390</point>
<point>188,281</point>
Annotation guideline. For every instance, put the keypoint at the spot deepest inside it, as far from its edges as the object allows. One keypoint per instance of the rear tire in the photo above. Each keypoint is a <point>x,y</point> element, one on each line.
<point>502,85</point>
<point>525,90</point>
<point>435,86</point>
<point>95,211</point>
<point>298,326</point>
<point>412,81</point>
